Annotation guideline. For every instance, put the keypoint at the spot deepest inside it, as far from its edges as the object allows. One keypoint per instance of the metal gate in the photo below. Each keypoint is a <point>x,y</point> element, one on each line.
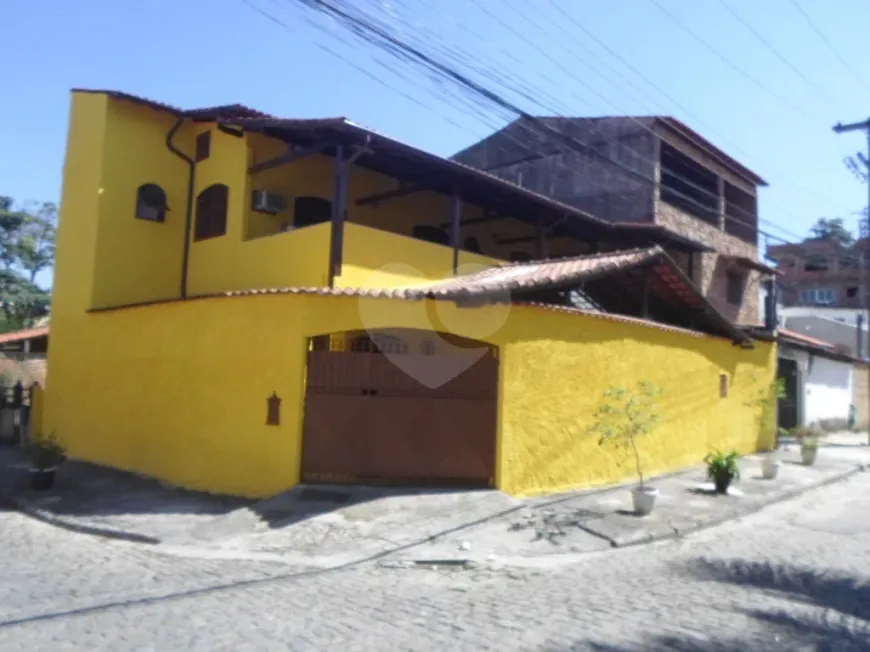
<point>788,408</point>
<point>368,421</point>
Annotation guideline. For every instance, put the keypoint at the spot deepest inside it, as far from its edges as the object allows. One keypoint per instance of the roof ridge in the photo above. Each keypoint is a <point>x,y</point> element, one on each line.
<point>651,251</point>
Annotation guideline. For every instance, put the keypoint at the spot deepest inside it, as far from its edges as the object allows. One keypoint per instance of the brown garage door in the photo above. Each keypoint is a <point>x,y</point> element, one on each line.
<point>369,421</point>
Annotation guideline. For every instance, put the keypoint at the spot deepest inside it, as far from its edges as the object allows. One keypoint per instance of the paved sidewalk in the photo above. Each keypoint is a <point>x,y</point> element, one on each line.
<point>329,526</point>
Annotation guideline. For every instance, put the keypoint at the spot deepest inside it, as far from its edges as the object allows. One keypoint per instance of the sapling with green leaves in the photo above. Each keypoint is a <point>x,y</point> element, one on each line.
<point>626,414</point>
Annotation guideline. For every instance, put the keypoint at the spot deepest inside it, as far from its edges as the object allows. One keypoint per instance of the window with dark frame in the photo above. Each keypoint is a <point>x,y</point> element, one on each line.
<point>472,245</point>
<point>851,292</point>
<point>211,212</point>
<point>308,211</point>
<point>151,203</point>
<point>203,146</point>
<point>816,264</point>
<point>735,282</point>
<point>433,234</point>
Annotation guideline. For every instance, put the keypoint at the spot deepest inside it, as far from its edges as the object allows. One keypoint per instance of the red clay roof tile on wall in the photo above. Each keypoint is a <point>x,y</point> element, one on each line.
<point>26,334</point>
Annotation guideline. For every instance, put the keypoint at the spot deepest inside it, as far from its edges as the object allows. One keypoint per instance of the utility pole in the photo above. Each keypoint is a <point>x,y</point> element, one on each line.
<point>863,240</point>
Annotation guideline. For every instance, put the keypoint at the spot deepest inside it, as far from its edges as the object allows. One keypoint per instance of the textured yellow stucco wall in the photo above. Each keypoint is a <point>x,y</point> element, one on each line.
<point>178,390</point>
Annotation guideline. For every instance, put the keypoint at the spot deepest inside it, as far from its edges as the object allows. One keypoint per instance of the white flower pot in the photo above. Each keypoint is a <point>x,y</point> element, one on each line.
<point>770,468</point>
<point>644,500</point>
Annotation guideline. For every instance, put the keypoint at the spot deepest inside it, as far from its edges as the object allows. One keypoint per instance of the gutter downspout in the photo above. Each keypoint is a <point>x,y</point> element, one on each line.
<point>191,186</point>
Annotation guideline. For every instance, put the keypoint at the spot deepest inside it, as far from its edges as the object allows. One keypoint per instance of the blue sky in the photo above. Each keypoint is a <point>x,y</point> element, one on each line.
<point>194,53</point>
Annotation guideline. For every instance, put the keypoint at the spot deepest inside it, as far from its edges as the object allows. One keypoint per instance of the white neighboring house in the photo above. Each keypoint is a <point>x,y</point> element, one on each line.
<point>835,325</point>
<point>819,378</point>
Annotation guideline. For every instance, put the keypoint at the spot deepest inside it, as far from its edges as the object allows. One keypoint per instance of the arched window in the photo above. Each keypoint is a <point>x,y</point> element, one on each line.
<point>151,203</point>
<point>472,245</point>
<point>430,234</point>
<point>211,212</point>
<point>308,211</point>
<point>520,256</point>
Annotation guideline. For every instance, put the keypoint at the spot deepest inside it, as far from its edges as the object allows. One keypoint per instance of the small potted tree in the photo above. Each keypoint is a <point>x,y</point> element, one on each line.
<point>46,453</point>
<point>624,416</point>
<point>770,467</point>
<point>809,441</point>
<point>722,469</point>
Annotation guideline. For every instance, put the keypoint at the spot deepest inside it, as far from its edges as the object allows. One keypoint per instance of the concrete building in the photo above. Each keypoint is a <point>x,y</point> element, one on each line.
<point>820,273</point>
<point>652,174</point>
<point>819,382</point>
<point>840,326</point>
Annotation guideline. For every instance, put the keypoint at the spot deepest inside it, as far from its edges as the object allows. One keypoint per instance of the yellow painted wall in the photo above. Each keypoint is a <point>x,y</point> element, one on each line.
<point>116,259</point>
<point>178,390</point>
<point>138,260</point>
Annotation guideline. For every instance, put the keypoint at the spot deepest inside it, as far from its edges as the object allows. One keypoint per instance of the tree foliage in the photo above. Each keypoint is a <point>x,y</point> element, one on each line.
<point>27,245</point>
<point>832,228</point>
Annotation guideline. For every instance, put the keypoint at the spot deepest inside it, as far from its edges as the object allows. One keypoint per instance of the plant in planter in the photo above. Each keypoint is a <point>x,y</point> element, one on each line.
<point>624,416</point>
<point>809,441</point>
<point>770,467</point>
<point>722,469</point>
<point>46,453</point>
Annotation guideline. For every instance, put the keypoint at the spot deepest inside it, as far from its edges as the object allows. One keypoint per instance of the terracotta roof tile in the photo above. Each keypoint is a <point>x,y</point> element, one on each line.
<point>800,337</point>
<point>26,334</point>
<point>540,274</point>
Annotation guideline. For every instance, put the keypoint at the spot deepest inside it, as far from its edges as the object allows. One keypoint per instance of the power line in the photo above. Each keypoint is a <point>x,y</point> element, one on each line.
<point>830,45</point>
<point>576,23</point>
<point>776,52</point>
<point>688,30</point>
<point>401,48</point>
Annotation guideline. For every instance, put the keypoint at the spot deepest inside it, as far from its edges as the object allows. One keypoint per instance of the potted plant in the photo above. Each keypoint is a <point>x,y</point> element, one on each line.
<point>624,416</point>
<point>770,467</point>
<point>46,453</point>
<point>809,441</point>
<point>722,469</point>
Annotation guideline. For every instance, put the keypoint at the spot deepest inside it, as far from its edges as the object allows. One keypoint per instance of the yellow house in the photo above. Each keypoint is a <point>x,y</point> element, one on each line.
<point>243,303</point>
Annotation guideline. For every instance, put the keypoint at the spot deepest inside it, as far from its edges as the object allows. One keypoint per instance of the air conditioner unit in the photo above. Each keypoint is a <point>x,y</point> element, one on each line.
<point>268,202</point>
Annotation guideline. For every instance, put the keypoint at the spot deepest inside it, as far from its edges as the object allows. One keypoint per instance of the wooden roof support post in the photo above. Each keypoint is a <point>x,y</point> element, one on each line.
<point>339,214</point>
<point>455,217</point>
<point>542,243</point>
<point>644,311</point>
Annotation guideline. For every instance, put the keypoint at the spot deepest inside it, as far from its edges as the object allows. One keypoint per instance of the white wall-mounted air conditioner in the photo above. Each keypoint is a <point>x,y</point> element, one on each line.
<point>268,202</point>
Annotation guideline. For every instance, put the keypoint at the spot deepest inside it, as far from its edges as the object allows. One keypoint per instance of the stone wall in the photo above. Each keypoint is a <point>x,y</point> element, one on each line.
<point>710,270</point>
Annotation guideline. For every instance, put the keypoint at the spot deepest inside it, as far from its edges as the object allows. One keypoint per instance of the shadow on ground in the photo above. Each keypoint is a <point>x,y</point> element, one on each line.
<point>94,495</point>
<point>828,612</point>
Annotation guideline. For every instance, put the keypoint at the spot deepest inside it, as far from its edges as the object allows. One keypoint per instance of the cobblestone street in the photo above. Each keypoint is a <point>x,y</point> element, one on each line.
<point>792,577</point>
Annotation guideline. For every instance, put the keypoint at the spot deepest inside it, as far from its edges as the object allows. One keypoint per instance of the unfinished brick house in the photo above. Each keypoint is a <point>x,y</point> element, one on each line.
<point>820,272</point>
<point>651,175</point>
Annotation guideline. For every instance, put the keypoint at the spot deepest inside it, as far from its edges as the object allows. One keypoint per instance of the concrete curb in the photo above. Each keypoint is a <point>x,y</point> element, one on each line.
<point>23,505</point>
<point>732,516</point>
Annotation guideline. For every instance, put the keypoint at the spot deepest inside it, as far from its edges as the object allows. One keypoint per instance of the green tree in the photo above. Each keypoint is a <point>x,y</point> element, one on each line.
<point>626,414</point>
<point>27,243</point>
<point>832,228</point>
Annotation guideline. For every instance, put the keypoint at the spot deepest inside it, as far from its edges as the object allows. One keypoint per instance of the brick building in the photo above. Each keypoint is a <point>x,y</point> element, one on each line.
<point>650,174</point>
<point>820,273</point>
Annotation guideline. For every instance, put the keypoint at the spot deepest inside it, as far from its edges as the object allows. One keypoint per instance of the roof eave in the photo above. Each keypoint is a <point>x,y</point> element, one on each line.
<point>729,162</point>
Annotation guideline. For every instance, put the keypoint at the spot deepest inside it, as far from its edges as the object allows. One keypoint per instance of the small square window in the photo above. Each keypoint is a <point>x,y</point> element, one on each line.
<point>851,292</point>
<point>203,146</point>
<point>736,284</point>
